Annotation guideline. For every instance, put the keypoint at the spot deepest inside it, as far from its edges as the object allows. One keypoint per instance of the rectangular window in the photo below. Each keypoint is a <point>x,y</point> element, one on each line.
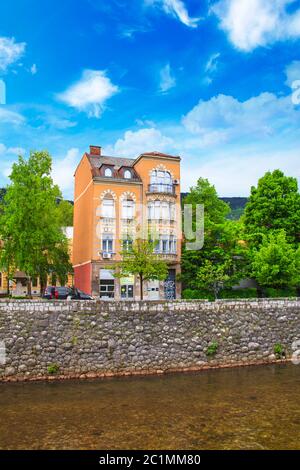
<point>172,244</point>
<point>107,289</point>
<point>172,211</point>
<point>127,245</point>
<point>106,284</point>
<point>107,243</point>
<point>157,214</point>
<point>108,208</point>
<point>165,245</point>
<point>165,211</point>
<point>128,209</point>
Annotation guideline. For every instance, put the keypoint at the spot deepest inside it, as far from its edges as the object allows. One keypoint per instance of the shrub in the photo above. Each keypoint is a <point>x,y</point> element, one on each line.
<point>190,294</point>
<point>250,293</point>
<point>53,369</point>
<point>279,351</point>
<point>212,349</point>
<point>284,292</point>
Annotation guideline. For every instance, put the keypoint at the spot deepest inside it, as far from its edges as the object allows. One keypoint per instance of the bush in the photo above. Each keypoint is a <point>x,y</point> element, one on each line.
<point>193,294</point>
<point>284,292</point>
<point>53,369</point>
<point>250,293</point>
<point>279,351</point>
<point>212,349</point>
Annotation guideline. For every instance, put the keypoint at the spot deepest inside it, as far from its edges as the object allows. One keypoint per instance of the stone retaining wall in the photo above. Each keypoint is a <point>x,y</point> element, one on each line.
<point>89,339</point>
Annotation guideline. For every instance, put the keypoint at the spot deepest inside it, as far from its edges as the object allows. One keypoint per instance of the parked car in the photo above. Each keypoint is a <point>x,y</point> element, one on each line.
<point>50,293</point>
<point>63,293</point>
<point>77,294</point>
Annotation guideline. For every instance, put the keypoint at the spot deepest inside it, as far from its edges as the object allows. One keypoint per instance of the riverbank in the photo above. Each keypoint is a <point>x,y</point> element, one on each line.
<point>139,374</point>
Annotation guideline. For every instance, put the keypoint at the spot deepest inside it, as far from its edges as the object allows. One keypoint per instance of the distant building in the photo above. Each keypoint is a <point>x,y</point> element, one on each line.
<point>115,200</point>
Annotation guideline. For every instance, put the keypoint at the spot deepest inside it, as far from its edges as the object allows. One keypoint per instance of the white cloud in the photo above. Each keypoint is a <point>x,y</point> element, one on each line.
<point>253,23</point>
<point>211,67</point>
<point>63,171</point>
<point>10,52</point>
<point>10,117</point>
<point>177,9</point>
<point>212,63</point>
<point>33,69</point>
<point>167,80</point>
<point>135,143</point>
<point>292,72</point>
<point>228,119</point>
<point>11,150</point>
<point>6,153</point>
<point>234,173</point>
<point>90,93</point>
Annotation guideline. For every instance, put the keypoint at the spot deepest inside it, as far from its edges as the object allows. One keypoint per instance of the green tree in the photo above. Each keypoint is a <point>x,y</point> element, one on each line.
<point>29,225</point>
<point>273,205</point>
<point>213,277</point>
<point>65,212</point>
<point>140,260</point>
<point>276,263</point>
<point>222,237</point>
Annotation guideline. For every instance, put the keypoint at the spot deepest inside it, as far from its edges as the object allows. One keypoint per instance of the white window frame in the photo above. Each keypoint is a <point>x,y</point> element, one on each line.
<point>108,208</point>
<point>108,170</point>
<point>107,243</point>
<point>128,209</point>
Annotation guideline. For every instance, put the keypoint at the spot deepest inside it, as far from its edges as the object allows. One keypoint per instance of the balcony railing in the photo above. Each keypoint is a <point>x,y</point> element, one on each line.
<point>161,188</point>
<point>166,256</point>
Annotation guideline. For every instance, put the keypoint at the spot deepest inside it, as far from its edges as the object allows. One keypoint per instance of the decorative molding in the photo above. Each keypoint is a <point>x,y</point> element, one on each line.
<point>128,195</point>
<point>162,167</point>
<point>106,192</point>
<point>161,198</point>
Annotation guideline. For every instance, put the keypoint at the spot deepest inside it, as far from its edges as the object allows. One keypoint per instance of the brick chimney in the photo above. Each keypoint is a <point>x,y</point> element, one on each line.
<point>94,150</point>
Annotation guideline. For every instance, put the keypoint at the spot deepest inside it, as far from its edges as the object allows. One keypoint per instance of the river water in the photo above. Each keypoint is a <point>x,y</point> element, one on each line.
<point>244,408</point>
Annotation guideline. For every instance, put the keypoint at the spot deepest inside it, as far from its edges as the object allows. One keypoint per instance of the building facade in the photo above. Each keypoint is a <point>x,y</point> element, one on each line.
<point>116,200</point>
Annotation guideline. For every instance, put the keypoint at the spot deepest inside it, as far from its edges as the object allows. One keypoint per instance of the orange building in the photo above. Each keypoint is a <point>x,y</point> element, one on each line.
<point>115,200</point>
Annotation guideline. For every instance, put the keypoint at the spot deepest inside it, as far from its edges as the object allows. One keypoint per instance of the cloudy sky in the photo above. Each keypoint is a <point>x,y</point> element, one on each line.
<point>212,81</point>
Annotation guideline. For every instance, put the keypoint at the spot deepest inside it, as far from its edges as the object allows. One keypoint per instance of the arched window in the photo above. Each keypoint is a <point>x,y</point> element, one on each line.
<point>108,172</point>
<point>108,207</point>
<point>161,181</point>
<point>127,174</point>
<point>128,207</point>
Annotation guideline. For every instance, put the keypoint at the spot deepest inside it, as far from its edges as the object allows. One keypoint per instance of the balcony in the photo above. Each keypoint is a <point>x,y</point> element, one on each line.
<point>161,188</point>
<point>167,256</point>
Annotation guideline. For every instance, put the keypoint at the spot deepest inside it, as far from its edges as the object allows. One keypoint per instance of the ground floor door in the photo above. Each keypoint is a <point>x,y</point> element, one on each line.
<point>107,284</point>
<point>170,285</point>
<point>126,291</point>
<point>153,290</point>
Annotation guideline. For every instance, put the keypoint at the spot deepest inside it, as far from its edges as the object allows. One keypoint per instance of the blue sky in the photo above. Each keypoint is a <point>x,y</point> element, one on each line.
<point>212,81</point>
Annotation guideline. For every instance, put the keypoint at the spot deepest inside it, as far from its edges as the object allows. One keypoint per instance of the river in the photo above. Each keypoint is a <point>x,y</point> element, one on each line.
<point>242,408</point>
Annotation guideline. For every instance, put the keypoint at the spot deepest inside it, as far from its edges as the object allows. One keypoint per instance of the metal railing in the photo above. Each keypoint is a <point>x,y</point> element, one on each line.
<point>161,188</point>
